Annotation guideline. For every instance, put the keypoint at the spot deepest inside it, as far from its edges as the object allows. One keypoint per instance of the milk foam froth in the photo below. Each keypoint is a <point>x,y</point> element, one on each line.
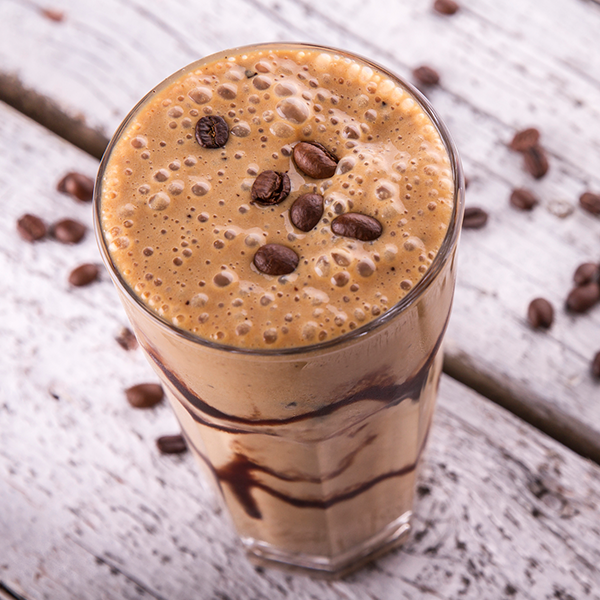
<point>182,230</point>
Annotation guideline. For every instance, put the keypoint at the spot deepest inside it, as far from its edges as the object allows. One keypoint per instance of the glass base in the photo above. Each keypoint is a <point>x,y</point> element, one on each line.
<point>266,555</point>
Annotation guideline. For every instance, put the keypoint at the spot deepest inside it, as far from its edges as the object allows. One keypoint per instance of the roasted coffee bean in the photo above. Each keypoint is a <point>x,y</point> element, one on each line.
<point>77,185</point>
<point>536,162</point>
<point>126,339</point>
<point>212,131</point>
<point>54,15</point>
<point>596,365</point>
<point>474,218</point>
<point>540,313</point>
<point>523,199</point>
<point>144,395</point>
<point>583,297</point>
<point>590,202</point>
<point>314,160</point>
<point>68,231</point>
<point>171,444</point>
<point>586,273</point>
<point>274,259</point>
<point>270,187</point>
<point>357,226</point>
<point>426,75</point>
<point>525,139</point>
<point>306,211</point>
<point>445,7</point>
<point>84,275</point>
<point>31,228</point>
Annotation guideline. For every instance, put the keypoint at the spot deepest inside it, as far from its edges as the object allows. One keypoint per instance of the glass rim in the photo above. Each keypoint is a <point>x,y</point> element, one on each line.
<point>448,244</point>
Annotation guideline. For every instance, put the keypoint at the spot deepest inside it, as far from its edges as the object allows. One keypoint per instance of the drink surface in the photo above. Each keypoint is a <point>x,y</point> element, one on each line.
<point>184,221</point>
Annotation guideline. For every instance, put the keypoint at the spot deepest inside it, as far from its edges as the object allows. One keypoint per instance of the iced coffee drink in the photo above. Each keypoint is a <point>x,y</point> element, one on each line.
<point>281,223</point>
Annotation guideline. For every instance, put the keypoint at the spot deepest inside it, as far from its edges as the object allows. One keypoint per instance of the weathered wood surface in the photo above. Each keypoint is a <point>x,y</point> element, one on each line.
<point>504,66</point>
<point>90,510</point>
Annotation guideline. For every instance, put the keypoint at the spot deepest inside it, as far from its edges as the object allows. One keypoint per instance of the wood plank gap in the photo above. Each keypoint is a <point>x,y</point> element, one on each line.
<point>526,405</point>
<point>47,113</point>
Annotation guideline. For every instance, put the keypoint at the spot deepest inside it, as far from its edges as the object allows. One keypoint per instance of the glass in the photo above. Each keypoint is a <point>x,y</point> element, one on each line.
<point>317,466</point>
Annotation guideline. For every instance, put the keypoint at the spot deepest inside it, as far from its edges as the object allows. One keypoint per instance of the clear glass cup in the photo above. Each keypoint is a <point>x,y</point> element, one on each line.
<point>318,472</point>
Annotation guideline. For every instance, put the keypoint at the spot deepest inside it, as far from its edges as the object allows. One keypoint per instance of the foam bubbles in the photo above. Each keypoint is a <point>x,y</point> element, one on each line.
<point>282,130</point>
<point>159,201</point>
<point>200,186</point>
<point>241,129</point>
<point>227,91</point>
<point>199,300</point>
<point>293,110</point>
<point>201,95</point>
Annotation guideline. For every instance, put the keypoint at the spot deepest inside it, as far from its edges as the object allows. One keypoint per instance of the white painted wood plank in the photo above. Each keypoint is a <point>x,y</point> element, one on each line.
<point>504,66</point>
<point>89,510</point>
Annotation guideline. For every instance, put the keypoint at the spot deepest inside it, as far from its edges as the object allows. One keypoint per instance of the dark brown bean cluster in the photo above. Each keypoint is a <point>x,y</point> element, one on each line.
<point>527,142</point>
<point>273,187</point>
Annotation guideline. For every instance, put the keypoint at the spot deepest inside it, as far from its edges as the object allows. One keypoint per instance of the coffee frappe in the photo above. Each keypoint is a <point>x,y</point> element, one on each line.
<point>281,223</point>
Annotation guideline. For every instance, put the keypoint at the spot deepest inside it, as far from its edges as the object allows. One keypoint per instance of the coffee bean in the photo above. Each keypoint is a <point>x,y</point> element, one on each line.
<point>126,339</point>
<point>357,226</point>
<point>536,162</point>
<point>212,131</point>
<point>270,187</point>
<point>586,273</point>
<point>307,211</point>
<point>445,7</point>
<point>525,139</point>
<point>171,444</point>
<point>144,395</point>
<point>54,15</point>
<point>314,160</point>
<point>583,297</point>
<point>523,199</point>
<point>475,218</point>
<point>540,313</point>
<point>596,365</point>
<point>84,275</point>
<point>590,202</point>
<point>31,228</point>
<point>68,231</point>
<point>274,259</point>
<point>77,185</point>
<point>426,75</point>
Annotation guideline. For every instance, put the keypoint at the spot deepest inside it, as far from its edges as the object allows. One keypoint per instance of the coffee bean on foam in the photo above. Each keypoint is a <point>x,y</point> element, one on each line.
<point>274,259</point>
<point>68,231</point>
<point>77,185</point>
<point>314,160</point>
<point>306,211</point>
<point>357,226</point>
<point>31,228</point>
<point>212,131</point>
<point>270,187</point>
<point>144,395</point>
<point>171,444</point>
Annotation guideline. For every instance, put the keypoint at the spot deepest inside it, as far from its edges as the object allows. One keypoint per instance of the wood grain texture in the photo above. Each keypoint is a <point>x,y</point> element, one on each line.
<point>503,66</point>
<point>89,510</point>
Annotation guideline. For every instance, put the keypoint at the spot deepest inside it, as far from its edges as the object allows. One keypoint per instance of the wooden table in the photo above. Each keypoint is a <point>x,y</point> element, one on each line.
<point>507,508</point>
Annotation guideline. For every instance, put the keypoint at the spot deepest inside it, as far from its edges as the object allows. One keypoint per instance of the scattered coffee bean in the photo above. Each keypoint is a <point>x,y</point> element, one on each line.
<point>357,226</point>
<point>144,395</point>
<point>54,15</point>
<point>525,139</point>
<point>536,162</point>
<point>540,313</point>
<point>171,444</point>
<point>212,131</point>
<point>274,259</point>
<point>126,339</point>
<point>583,297</point>
<point>68,231</point>
<point>523,199</point>
<point>31,228</point>
<point>590,202</point>
<point>445,7</point>
<point>77,185</point>
<point>586,273</point>
<point>596,365</point>
<point>270,187</point>
<point>426,75</point>
<point>314,160</point>
<point>84,275</point>
<point>474,218</point>
<point>307,211</point>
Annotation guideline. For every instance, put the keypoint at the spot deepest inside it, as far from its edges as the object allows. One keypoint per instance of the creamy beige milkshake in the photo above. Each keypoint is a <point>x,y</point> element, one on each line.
<point>281,222</point>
